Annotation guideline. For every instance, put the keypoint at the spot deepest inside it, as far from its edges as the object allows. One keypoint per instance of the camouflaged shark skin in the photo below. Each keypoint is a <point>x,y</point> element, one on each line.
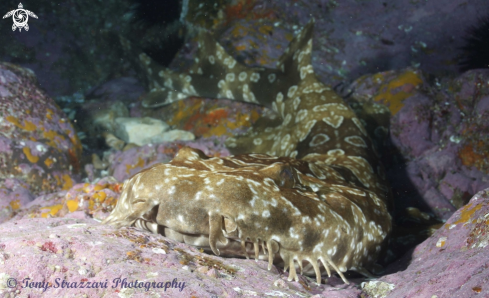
<point>310,194</point>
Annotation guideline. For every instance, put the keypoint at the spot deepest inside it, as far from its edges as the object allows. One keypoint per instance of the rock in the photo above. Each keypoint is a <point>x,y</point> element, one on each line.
<point>170,136</point>
<point>114,142</point>
<point>280,283</point>
<point>139,130</point>
<point>142,131</point>
<point>453,261</point>
<point>213,273</point>
<point>437,158</point>
<point>410,127</point>
<point>377,289</point>
<point>95,200</point>
<point>98,163</point>
<point>129,146</point>
<point>400,92</point>
<point>38,144</point>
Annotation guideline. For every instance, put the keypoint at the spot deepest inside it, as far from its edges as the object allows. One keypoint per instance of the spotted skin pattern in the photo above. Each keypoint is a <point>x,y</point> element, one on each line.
<point>311,195</point>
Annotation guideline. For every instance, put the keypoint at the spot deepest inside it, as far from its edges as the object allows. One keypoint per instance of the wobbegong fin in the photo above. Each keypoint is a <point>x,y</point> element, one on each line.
<point>216,74</point>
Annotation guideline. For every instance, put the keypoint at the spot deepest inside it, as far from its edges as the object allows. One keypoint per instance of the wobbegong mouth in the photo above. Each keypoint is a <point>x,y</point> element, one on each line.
<point>234,247</point>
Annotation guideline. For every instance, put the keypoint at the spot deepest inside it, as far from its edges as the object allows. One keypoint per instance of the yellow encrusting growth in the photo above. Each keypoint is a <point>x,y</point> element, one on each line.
<point>240,48</point>
<point>51,210</point>
<point>74,140</point>
<point>49,114</point>
<point>72,205</point>
<point>51,135</point>
<point>466,213</point>
<point>239,30</point>
<point>29,126</point>
<point>99,187</point>
<point>99,196</point>
<point>48,162</point>
<point>139,164</point>
<point>265,29</point>
<point>15,204</point>
<point>28,154</point>
<point>183,111</point>
<point>68,182</point>
<point>394,92</point>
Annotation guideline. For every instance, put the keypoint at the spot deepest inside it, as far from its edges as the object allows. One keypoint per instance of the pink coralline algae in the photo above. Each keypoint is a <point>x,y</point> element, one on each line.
<point>437,158</point>
<point>452,262</point>
<point>57,255</point>
<point>38,145</point>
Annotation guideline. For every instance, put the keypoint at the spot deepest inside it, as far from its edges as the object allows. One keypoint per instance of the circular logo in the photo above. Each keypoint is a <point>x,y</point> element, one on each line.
<point>11,282</point>
<point>20,18</point>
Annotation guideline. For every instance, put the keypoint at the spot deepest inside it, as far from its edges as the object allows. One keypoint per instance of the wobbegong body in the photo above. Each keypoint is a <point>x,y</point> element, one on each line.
<point>310,192</point>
